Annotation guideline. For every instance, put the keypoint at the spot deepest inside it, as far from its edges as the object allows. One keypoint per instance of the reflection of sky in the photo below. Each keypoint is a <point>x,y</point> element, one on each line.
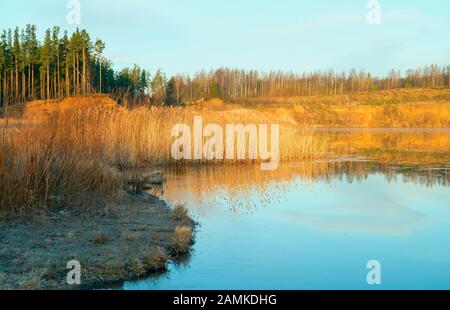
<point>322,239</point>
<point>366,207</point>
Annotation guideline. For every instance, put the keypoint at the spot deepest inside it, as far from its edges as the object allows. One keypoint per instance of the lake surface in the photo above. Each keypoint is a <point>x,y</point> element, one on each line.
<point>312,226</point>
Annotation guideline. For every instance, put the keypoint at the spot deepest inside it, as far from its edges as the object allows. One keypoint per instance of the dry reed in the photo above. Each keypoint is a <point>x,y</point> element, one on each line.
<point>72,157</point>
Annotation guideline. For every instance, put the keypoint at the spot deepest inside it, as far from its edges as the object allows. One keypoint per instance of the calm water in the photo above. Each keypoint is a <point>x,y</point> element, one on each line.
<point>313,226</point>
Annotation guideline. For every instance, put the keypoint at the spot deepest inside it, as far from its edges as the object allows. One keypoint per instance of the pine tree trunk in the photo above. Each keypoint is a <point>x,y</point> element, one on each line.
<point>58,79</point>
<point>83,77</point>
<point>100,62</point>
<point>1,92</point>
<point>17,82</point>
<point>11,93</point>
<point>77,74</point>
<point>29,82</point>
<point>24,84</point>
<point>48,82</point>
<point>32,81</point>
<point>74,76</point>
<point>67,79</point>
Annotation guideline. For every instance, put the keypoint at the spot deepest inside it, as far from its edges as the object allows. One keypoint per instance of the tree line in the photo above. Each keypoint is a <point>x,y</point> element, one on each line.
<point>230,84</point>
<point>61,65</point>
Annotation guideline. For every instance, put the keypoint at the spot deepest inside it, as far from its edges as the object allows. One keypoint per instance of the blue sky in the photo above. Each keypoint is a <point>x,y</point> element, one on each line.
<point>183,36</point>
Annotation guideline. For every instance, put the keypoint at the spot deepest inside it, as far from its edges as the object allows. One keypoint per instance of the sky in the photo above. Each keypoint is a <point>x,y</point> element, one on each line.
<point>184,37</point>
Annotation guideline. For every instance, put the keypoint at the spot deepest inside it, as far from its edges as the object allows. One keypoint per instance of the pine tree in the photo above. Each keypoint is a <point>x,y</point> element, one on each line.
<point>16,54</point>
<point>33,57</point>
<point>9,65</point>
<point>2,65</point>
<point>55,59</point>
<point>45,61</point>
<point>86,46</point>
<point>66,62</point>
<point>22,61</point>
<point>158,85</point>
<point>172,98</point>
<point>98,50</point>
<point>74,53</point>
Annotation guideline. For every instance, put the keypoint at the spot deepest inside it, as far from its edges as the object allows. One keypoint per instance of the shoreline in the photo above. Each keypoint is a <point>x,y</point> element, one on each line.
<point>130,240</point>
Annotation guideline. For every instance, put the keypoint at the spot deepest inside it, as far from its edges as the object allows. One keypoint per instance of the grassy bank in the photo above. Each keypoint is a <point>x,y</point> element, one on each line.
<point>64,197</point>
<point>397,108</point>
<point>132,238</point>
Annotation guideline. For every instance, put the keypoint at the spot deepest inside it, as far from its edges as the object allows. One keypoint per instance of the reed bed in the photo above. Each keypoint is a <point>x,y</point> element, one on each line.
<point>42,166</point>
<point>78,154</point>
<point>142,136</point>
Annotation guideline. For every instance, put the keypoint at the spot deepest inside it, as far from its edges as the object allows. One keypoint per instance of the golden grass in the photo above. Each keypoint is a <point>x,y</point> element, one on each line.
<point>182,239</point>
<point>47,165</point>
<point>33,281</point>
<point>397,108</point>
<point>67,153</point>
<point>143,136</point>
<point>156,259</point>
<point>44,109</point>
<point>137,267</point>
<point>424,142</point>
<point>131,236</point>
<point>100,238</point>
<point>179,213</point>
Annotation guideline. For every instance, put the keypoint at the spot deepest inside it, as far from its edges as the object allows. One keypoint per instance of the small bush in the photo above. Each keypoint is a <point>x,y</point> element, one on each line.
<point>100,238</point>
<point>179,213</point>
<point>182,239</point>
<point>131,236</point>
<point>32,280</point>
<point>136,183</point>
<point>136,266</point>
<point>156,259</point>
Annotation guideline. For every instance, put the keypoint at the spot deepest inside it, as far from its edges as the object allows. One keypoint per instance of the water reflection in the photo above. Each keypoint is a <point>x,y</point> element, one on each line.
<point>246,185</point>
<point>392,145</point>
<point>312,226</point>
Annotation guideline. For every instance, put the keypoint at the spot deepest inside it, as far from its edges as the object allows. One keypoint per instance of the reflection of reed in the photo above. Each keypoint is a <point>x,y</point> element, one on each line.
<point>395,146</point>
<point>242,187</point>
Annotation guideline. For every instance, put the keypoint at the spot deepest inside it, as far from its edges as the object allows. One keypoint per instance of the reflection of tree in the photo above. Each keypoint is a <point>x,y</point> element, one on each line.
<point>393,145</point>
<point>237,185</point>
<point>390,139</point>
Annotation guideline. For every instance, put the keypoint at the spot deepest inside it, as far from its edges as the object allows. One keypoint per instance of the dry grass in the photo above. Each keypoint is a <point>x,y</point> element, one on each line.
<point>69,158</point>
<point>34,254</point>
<point>143,135</point>
<point>156,259</point>
<point>47,165</point>
<point>397,108</point>
<point>131,236</point>
<point>44,109</point>
<point>179,213</point>
<point>33,280</point>
<point>65,153</point>
<point>182,239</point>
<point>137,267</point>
<point>100,238</point>
<point>135,181</point>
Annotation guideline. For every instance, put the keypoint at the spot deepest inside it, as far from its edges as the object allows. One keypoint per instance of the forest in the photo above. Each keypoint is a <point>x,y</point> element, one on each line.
<point>60,66</point>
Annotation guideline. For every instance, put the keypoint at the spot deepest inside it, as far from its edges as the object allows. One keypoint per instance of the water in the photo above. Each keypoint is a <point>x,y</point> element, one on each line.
<point>313,226</point>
